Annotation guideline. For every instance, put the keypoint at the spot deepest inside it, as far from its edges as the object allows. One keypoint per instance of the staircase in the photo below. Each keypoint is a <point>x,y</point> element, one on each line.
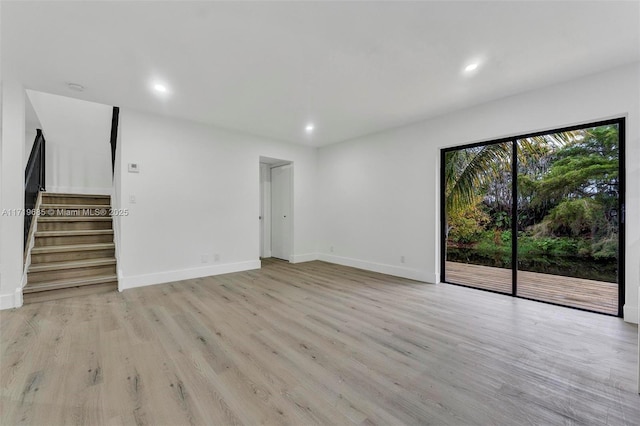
<point>74,253</point>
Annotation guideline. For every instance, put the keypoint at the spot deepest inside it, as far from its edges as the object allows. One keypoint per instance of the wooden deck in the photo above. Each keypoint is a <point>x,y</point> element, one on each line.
<point>593,295</point>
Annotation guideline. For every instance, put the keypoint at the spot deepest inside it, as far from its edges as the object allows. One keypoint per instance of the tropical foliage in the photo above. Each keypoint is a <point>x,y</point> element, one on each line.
<point>568,185</point>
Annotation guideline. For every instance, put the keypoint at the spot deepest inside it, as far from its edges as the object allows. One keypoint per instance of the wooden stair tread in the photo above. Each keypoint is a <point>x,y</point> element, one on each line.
<point>73,218</point>
<point>62,194</point>
<point>57,266</point>
<point>71,258</point>
<point>67,283</point>
<point>74,247</point>
<point>75,232</point>
<point>45,206</point>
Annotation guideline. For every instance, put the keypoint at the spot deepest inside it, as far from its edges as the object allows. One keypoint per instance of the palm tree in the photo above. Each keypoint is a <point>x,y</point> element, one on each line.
<point>468,172</point>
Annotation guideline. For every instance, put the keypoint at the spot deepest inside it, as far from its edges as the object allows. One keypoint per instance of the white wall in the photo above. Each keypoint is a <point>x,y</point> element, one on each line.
<point>77,134</point>
<point>11,193</point>
<point>29,139</point>
<point>197,193</point>
<point>32,123</point>
<point>379,195</point>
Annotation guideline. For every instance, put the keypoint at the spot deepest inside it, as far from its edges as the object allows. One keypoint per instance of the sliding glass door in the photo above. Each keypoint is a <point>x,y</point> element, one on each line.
<point>478,210</point>
<point>538,216</point>
<point>568,218</point>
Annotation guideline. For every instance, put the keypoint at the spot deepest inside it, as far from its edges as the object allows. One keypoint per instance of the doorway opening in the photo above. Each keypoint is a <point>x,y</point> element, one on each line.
<point>276,208</point>
<point>538,216</point>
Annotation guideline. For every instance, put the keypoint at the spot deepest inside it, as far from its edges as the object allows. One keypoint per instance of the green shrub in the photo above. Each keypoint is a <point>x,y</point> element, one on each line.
<point>548,246</point>
<point>606,248</point>
<point>494,244</point>
<point>574,217</point>
<point>467,226</point>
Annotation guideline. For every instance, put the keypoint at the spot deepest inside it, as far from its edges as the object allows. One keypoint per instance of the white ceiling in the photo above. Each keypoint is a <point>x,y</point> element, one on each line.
<point>351,68</point>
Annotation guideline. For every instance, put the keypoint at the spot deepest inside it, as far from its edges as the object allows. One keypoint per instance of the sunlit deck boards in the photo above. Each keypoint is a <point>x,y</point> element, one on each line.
<point>575,292</point>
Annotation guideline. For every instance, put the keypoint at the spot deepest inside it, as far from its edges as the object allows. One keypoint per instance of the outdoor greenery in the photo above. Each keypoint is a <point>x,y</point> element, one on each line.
<point>568,187</point>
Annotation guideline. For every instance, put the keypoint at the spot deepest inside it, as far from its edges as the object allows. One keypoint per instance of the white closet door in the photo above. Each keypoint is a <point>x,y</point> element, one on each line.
<point>281,212</point>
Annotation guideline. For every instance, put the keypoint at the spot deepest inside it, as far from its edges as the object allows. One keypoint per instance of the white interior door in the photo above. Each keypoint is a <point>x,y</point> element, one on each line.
<point>281,212</point>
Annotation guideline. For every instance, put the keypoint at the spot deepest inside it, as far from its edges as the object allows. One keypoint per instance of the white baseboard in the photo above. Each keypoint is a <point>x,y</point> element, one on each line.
<point>630,314</point>
<point>17,298</point>
<point>8,300</point>
<point>299,258</point>
<point>143,280</point>
<point>412,274</point>
<point>80,190</point>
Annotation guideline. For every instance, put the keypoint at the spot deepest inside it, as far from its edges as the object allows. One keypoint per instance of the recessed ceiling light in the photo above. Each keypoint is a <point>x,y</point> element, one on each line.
<point>309,128</point>
<point>471,67</point>
<point>75,86</point>
<point>160,88</point>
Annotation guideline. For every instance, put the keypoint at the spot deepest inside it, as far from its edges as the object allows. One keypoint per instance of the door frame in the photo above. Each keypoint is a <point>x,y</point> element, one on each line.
<point>621,122</point>
<point>272,163</point>
<point>264,213</point>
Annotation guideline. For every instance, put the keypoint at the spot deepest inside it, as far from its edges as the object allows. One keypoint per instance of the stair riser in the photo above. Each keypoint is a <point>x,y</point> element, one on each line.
<point>61,199</point>
<point>72,240</point>
<point>71,256</point>
<point>74,226</point>
<point>76,212</point>
<point>61,285</point>
<point>71,280</point>
<point>91,271</point>
<point>43,296</point>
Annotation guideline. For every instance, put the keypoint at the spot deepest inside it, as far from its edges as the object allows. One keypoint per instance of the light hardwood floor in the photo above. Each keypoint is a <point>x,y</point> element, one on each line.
<point>313,343</point>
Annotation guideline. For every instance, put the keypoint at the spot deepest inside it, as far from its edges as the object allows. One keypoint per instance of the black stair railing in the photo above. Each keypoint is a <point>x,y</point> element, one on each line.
<point>34,181</point>
<point>114,137</point>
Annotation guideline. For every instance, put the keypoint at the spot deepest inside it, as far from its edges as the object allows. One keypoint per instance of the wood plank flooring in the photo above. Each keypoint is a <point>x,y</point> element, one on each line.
<point>597,296</point>
<point>313,343</point>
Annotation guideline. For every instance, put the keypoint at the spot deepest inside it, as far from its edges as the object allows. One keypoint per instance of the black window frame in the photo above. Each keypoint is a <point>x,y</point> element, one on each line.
<point>621,122</point>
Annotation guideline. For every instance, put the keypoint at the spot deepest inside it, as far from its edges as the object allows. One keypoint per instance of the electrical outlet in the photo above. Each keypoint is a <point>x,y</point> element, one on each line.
<point>331,249</point>
<point>216,257</point>
<point>401,259</point>
<point>132,199</point>
<point>204,258</point>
